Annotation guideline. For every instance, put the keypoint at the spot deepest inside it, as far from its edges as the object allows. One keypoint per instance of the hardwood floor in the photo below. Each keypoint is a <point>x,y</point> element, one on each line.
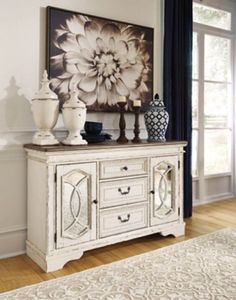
<point>19,271</point>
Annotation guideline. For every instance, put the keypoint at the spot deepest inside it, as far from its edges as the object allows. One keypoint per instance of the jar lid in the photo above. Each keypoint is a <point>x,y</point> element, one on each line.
<point>45,92</point>
<point>73,101</point>
<point>156,102</point>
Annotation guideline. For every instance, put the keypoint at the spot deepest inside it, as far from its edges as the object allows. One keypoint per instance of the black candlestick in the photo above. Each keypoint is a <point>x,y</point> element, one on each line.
<point>122,138</point>
<point>136,138</point>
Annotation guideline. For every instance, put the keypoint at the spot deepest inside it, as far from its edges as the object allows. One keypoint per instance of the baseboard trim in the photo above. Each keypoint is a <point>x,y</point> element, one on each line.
<point>12,240</point>
<point>212,199</point>
<point>11,229</point>
<point>8,255</point>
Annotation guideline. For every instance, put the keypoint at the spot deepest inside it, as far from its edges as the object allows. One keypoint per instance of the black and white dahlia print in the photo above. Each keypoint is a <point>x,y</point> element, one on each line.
<point>102,58</point>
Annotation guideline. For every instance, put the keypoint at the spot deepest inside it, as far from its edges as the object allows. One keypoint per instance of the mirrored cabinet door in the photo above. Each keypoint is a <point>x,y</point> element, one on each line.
<point>76,204</point>
<point>164,190</point>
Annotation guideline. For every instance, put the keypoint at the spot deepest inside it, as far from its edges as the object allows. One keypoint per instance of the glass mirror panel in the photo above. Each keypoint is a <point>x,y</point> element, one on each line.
<point>75,204</point>
<point>163,187</point>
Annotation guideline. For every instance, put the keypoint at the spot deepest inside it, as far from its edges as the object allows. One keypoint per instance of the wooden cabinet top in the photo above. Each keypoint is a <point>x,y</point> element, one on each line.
<point>104,145</point>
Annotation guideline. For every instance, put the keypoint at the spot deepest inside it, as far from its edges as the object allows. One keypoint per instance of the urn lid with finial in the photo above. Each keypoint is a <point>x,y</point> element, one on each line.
<point>73,101</point>
<point>45,93</point>
<point>157,102</point>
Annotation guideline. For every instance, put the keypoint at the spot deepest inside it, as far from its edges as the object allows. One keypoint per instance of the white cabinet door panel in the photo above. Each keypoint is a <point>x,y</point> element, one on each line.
<point>76,213</point>
<point>165,190</point>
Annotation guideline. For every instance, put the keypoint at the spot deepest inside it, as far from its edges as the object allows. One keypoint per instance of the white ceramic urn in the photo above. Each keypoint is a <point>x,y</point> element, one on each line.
<point>45,108</point>
<point>74,116</point>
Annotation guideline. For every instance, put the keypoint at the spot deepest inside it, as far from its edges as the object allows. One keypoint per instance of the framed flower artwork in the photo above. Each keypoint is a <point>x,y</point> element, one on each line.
<point>102,58</point>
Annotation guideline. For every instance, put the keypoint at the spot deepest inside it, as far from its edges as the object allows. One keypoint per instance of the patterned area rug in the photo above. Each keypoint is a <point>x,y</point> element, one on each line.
<point>203,268</point>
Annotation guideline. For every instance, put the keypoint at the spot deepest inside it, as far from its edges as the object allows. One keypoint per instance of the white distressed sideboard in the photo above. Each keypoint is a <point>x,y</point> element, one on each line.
<point>85,197</point>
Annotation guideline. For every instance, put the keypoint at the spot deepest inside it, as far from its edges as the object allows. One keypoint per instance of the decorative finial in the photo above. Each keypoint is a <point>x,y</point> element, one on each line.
<point>45,76</point>
<point>45,92</point>
<point>73,100</point>
<point>45,81</point>
<point>74,94</point>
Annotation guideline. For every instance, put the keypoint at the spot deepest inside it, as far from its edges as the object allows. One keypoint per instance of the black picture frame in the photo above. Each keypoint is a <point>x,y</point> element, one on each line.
<point>102,58</point>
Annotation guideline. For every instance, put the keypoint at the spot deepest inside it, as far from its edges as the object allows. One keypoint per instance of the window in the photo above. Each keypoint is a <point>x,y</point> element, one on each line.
<point>212,17</point>
<point>212,106</point>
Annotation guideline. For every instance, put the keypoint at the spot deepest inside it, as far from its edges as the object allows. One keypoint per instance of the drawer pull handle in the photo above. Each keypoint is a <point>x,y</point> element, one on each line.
<point>124,192</point>
<point>124,220</point>
<point>95,201</point>
<point>125,168</point>
<point>152,192</point>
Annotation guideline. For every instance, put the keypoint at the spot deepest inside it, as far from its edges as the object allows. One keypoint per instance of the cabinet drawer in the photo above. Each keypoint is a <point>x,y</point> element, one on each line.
<point>122,168</point>
<point>123,219</point>
<point>123,192</point>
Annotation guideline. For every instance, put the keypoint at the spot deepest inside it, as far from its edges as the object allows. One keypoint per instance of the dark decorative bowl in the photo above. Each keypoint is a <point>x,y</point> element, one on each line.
<point>93,127</point>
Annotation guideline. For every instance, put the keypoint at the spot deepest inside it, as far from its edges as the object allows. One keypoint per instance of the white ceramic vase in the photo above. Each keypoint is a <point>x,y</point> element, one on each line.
<point>74,116</point>
<point>45,109</point>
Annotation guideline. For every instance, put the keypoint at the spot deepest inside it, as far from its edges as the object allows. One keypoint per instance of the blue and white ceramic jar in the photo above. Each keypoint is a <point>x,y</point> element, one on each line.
<point>156,120</point>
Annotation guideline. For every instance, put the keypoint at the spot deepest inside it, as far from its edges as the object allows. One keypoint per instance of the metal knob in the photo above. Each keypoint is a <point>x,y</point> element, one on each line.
<point>95,201</point>
<point>152,192</point>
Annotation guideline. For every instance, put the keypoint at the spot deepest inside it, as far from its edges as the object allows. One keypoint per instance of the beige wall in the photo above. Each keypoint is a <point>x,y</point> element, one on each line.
<point>22,61</point>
